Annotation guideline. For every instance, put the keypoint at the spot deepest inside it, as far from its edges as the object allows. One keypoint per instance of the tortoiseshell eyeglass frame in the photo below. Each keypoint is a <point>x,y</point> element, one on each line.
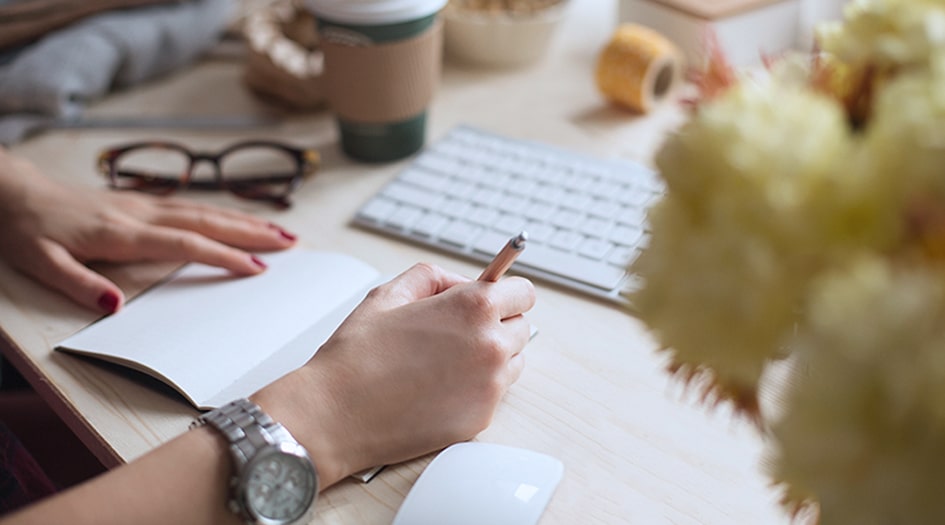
<point>306,162</point>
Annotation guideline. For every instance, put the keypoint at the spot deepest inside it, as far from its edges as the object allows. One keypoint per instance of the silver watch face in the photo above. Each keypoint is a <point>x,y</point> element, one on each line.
<point>279,484</point>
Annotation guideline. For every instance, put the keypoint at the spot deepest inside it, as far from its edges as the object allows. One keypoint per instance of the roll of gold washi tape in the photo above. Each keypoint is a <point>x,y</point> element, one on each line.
<point>638,67</point>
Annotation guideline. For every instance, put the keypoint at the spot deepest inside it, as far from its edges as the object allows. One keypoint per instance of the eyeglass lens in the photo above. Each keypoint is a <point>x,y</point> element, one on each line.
<point>260,171</point>
<point>151,169</point>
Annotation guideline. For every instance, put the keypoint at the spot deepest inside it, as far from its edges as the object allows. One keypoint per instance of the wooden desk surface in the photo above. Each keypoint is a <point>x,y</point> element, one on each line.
<point>636,447</point>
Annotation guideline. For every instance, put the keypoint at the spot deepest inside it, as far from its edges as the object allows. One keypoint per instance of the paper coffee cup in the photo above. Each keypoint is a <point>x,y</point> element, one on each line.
<point>382,66</point>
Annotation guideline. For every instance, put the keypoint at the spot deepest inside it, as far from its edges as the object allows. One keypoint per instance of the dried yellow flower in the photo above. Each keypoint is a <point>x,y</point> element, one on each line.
<point>805,215</point>
<point>887,34</point>
<point>864,421</point>
<point>744,224</point>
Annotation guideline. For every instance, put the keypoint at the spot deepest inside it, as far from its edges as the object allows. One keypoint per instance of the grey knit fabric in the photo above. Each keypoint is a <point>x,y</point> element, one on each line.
<point>57,76</point>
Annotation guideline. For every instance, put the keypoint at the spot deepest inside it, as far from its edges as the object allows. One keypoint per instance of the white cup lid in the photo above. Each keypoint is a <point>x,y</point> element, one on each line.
<point>369,12</point>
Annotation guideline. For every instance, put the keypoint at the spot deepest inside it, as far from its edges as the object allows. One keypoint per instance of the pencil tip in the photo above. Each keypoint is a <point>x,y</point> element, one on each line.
<point>520,239</point>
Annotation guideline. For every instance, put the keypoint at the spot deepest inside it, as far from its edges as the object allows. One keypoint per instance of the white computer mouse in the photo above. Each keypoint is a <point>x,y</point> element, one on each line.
<point>482,484</point>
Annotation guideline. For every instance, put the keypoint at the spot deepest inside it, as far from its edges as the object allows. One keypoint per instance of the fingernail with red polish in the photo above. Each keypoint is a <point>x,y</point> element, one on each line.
<point>258,262</point>
<point>283,233</point>
<point>108,302</point>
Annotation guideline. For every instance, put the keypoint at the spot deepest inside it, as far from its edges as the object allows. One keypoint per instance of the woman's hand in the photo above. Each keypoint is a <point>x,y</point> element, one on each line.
<point>420,364</point>
<point>50,230</point>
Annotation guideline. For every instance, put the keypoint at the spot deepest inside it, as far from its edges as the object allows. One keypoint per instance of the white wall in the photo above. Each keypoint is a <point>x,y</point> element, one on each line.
<point>814,12</point>
<point>771,28</point>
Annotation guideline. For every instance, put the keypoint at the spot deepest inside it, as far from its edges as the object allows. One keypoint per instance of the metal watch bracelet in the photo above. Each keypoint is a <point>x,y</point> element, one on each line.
<point>253,436</point>
<point>236,421</point>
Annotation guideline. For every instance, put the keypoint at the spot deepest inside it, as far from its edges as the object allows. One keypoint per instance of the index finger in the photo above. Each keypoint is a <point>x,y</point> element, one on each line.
<point>161,243</point>
<point>512,296</point>
<point>420,281</point>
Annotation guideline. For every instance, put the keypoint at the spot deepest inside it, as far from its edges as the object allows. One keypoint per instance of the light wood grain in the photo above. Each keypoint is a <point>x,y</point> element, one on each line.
<point>636,447</point>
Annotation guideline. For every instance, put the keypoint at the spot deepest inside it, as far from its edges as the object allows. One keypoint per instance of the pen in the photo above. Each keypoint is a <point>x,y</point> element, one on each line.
<point>504,259</point>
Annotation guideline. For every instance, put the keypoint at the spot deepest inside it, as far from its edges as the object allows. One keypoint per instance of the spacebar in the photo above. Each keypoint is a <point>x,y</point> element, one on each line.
<point>571,266</point>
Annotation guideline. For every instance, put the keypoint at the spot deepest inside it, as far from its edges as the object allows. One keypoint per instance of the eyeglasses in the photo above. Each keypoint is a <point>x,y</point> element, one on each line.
<point>255,169</point>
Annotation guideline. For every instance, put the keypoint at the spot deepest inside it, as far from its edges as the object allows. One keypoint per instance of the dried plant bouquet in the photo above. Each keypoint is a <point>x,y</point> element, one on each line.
<point>804,218</point>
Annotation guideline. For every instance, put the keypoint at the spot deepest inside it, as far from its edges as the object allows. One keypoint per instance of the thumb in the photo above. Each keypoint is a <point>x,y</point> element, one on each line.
<point>53,265</point>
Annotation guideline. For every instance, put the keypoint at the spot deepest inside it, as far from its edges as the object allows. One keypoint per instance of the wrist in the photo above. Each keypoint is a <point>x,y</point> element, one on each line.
<point>302,403</point>
<point>209,445</point>
<point>273,480</point>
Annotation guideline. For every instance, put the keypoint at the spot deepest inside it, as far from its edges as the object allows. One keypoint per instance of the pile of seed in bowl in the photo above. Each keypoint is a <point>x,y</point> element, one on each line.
<point>515,7</point>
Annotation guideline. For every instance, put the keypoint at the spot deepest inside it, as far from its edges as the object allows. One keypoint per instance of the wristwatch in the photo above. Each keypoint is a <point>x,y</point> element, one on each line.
<point>274,481</point>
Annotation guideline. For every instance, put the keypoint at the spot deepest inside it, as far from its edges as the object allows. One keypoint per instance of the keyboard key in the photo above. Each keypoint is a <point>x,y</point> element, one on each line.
<point>604,188</point>
<point>487,197</point>
<point>550,194</point>
<point>605,208</point>
<point>567,218</point>
<point>539,231</point>
<point>515,203</point>
<point>577,201</point>
<point>595,248</point>
<point>566,240</point>
<point>520,186</point>
<point>460,233</point>
<point>460,188</point>
<point>438,163</point>
<point>631,216</point>
<point>430,224</point>
<point>550,175</point>
<point>378,209</point>
<point>410,194</point>
<point>405,216</point>
<point>637,195</point>
<point>491,241</point>
<point>595,227</point>
<point>425,179</point>
<point>492,179</point>
<point>576,181</point>
<point>622,256</point>
<point>631,285</point>
<point>510,224</point>
<point>483,216</point>
<point>540,211</point>
<point>454,207</point>
<point>628,235</point>
<point>572,266</point>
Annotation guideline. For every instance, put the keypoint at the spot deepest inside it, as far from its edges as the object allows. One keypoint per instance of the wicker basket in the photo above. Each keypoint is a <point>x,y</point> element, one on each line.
<point>284,63</point>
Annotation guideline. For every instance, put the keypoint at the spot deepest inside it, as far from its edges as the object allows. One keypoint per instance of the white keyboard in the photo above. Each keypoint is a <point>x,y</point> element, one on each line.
<point>469,192</point>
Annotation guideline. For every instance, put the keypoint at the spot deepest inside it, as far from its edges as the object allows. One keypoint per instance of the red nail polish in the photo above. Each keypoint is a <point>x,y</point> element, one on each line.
<point>282,232</point>
<point>108,302</point>
<point>258,262</point>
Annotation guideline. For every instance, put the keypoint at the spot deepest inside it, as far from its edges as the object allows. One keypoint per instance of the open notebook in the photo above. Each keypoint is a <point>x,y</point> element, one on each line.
<point>215,337</point>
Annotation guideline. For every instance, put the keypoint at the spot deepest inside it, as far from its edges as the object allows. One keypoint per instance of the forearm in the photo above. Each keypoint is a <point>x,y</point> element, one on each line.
<point>181,482</point>
<point>185,480</point>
